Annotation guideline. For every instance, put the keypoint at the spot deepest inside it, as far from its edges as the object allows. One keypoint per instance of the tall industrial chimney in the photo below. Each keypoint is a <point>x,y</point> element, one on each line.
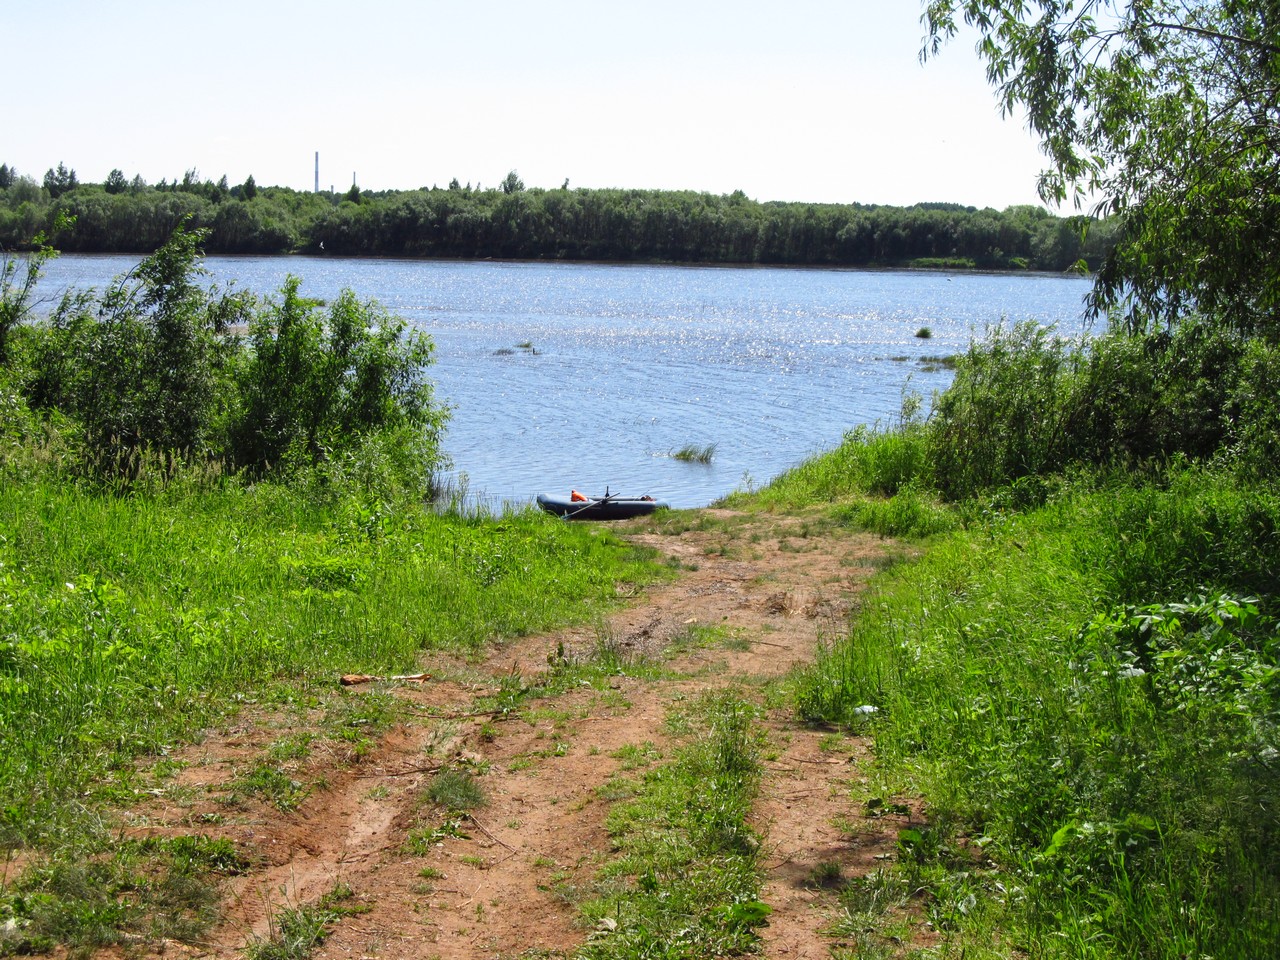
<point>317,171</point>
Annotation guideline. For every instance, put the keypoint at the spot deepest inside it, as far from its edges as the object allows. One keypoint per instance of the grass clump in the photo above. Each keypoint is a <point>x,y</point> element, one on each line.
<point>598,666</point>
<point>455,790</point>
<point>686,882</point>
<point>692,453</point>
<point>910,512</point>
<point>118,894</point>
<point>272,785</point>
<point>297,932</point>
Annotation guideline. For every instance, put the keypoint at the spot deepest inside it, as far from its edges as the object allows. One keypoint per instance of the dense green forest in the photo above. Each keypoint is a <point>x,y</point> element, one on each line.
<point>515,222</point>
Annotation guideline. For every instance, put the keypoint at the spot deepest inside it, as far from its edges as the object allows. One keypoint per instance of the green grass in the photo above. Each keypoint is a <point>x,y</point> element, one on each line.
<point>456,790</point>
<point>685,882</point>
<point>114,893</point>
<point>127,622</point>
<point>598,666</point>
<point>943,263</point>
<point>931,364</point>
<point>910,512</point>
<point>131,620</point>
<point>298,931</point>
<point>692,453</point>
<point>1090,687</point>
<point>272,785</point>
<point>867,463</point>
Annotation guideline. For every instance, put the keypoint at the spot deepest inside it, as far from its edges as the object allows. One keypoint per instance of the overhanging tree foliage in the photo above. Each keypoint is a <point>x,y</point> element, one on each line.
<point>1169,112</point>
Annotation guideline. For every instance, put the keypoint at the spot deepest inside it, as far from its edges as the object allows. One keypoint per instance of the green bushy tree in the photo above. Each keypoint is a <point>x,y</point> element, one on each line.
<point>316,380</point>
<point>115,182</point>
<point>512,183</point>
<point>60,181</point>
<point>157,364</point>
<point>145,365</point>
<point>1166,112</point>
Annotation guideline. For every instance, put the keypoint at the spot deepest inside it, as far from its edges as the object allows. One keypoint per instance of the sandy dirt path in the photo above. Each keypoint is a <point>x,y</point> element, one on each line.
<point>755,596</point>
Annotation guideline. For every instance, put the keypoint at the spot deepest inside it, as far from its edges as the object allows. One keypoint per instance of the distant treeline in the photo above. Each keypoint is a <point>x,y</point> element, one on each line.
<point>515,222</point>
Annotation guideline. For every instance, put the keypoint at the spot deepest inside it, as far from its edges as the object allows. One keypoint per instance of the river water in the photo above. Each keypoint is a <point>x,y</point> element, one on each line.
<point>591,375</point>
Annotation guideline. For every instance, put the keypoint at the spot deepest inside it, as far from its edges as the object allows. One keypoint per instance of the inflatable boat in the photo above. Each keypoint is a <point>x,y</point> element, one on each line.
<point>578,506</point>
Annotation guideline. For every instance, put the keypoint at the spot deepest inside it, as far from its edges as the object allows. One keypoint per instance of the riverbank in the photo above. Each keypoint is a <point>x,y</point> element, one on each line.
<point>918,743</point>
<point>436,808</point>
<point>573,226</point>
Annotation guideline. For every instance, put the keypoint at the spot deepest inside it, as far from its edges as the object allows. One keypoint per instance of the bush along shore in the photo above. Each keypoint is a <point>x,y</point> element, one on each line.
<point>1081,672</point>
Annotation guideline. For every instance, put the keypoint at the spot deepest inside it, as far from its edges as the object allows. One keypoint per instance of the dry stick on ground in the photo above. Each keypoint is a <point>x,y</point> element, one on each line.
<point>481,827</point>
<point>401,773</point>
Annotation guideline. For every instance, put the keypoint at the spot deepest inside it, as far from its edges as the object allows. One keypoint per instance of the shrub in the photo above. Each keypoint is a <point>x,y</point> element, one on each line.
<point>1026,403</point>
<point>155,371</point>
<point>145,365</point>
<point>1003,417</point>
<point>315,385</point>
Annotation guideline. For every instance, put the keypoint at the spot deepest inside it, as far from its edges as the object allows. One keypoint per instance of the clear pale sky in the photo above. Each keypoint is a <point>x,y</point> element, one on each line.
<point>805,100</point>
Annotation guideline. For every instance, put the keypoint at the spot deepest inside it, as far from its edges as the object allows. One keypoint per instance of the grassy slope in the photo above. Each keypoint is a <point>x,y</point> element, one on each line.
<point>127,621</point>
<point>1090,687</point>
<point>1048,676</point>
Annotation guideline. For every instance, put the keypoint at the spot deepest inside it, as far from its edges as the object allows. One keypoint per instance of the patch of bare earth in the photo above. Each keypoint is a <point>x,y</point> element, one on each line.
<point>499,881</point>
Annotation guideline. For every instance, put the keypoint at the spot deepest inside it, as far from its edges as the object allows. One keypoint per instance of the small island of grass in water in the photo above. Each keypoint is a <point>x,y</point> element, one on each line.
<point>692,453</point>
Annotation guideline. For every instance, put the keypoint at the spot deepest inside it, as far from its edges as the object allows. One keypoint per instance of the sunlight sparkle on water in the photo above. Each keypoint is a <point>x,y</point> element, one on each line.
<point>627,363</point>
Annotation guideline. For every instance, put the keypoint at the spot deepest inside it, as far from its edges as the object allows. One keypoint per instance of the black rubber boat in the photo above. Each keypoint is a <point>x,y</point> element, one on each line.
<point>608,507</point>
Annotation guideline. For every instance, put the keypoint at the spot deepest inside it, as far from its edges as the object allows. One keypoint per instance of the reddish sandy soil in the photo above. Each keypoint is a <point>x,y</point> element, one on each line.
<point>773,587</point>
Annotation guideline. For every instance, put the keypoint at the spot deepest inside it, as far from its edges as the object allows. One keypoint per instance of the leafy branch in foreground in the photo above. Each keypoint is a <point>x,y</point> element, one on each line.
<point>1164,111</point>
